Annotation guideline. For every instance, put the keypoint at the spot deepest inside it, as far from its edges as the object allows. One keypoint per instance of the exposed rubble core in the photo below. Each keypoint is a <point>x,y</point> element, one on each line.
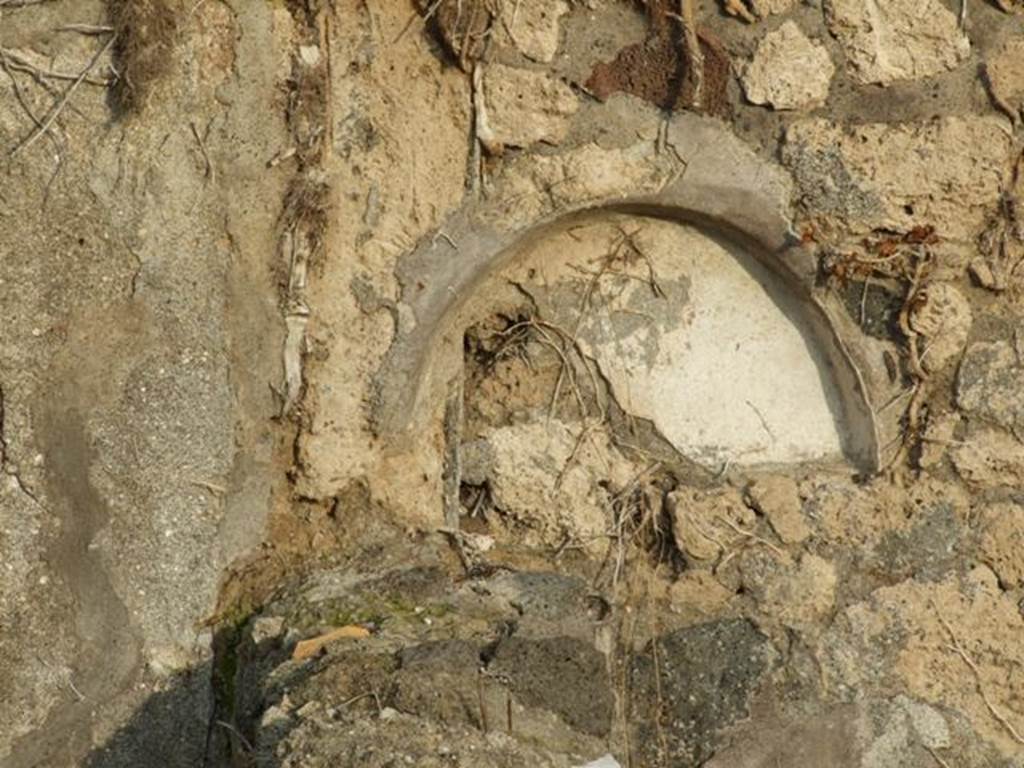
<point>562,383</point>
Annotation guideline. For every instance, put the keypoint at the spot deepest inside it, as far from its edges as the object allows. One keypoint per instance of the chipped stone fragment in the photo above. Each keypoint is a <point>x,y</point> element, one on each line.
<point>777,498</point>
<point>796,596</point>
<point>1004,75</point>
<point>886,42</point>
<point>944,319</point>
<point>702,522</point>
<point>788,70</point>
<point>521,107</point>
<point>698,591</point>
<point>990,382</point>
<point>989,457</point>
<point>1002,542</point>
<point>532,27</point>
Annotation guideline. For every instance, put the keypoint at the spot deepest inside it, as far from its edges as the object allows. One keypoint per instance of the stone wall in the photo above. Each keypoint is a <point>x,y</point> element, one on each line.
<point>285,282</point>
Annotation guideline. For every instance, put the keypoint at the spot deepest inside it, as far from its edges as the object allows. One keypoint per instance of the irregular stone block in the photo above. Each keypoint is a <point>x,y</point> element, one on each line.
<point>700,521</point>
<point>1002,542</point>
<point>694,683</point>
<point>796,596</point>
<point>1004,73</point>
<point>789,70</point>
<point>895,40</point>
<point>990,457</point>
<point>777,498</point>
<point>521,107</point>
<point>947,173</point>
<point>990,383</point>
<point>563,675</point>
<point>532,26</point>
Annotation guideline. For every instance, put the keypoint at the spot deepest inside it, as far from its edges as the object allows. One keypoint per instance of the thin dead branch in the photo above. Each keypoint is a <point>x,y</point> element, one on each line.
<point>23,102</point>
<point>208,174</point>
<point>957,647</point>
<point>738,9</point>
<point>20,63</point>
<point>695,58</point>
<point>59,106</point>
<point>86,29</point>
<point>22,3</point>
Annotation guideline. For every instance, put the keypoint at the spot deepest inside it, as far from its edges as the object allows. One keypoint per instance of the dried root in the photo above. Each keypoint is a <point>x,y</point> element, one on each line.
<point>1002,242</point>
<point>145,35</point>
<point>905,260</point>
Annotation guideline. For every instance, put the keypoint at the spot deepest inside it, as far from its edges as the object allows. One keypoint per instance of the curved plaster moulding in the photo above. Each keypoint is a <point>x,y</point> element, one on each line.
<point>704,177</point>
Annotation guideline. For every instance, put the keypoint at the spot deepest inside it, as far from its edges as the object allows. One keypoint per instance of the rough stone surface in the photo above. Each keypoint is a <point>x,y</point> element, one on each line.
<point>1004,71</point>
<point>771,7</point>
<point>702,522</point>
<point>173,522</point>
<point>886,42</point>
<point>539,475</point>
<point>1002,541</point>
<point>521,107</point>
<point>912,626</point>
<point>777,497</point>
<point>707,675</point>
<point>938,438</point>
<point>533,27</point>
<point>944,319</point>
<point>587,174</point>
<point>698,593</point>
<point>989,383</point>
<point>989,457</point>
<point>788,70</point>
<point>136,462</point>
<point>823,738</point>
<point>797,595</point>
<point>946,173</point>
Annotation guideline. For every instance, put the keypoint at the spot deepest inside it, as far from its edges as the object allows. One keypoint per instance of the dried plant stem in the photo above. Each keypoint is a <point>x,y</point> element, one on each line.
<point>59,106</point>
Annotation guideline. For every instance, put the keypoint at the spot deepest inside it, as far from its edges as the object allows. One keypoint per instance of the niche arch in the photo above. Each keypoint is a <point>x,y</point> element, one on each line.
<point>725,191</point>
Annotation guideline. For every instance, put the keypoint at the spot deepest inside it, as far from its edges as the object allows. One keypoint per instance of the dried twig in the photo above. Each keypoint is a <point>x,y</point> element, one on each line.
<point>695,58</point>
<point>59,106</point>
<point>739,9</point>
<point>957,647</point>
<point>208,175</point>
<point>86,29</point>
<point>912,427</point>
<point>426,17</point>
<point>20,96</point>
<point>20,63</point>
<point>236,732</point>
<point>216,490</point>
<point>750,535</point>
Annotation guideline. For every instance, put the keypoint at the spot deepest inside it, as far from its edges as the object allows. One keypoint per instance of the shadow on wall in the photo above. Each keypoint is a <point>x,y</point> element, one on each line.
<point>171,729</point>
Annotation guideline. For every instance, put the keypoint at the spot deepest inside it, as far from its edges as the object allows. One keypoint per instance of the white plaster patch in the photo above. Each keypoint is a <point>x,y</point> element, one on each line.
<point>716,362</point>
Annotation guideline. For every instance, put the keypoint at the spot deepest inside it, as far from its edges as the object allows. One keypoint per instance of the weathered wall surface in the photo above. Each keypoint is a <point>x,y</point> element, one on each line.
<point>138,343</point>
<point>279,276</point>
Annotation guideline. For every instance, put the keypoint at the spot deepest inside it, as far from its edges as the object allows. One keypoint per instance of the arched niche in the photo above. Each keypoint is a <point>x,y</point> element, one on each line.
<point>726,192</point>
